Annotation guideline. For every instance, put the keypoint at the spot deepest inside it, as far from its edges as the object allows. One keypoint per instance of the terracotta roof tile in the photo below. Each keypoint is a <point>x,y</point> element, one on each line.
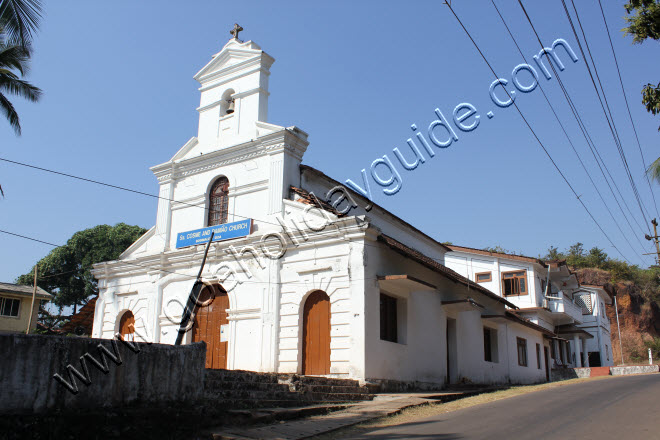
<point>84,318</point>
<point>439,268</point>
<point>496,254</point>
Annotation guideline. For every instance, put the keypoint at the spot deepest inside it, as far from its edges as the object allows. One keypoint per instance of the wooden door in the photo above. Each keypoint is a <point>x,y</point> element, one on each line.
<point>127,326</point>
<point>547,369</point>
<point>316,334</point>
<point>207,325</point>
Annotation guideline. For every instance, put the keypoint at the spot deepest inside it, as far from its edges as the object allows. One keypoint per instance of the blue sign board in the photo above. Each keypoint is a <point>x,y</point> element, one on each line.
<point>221,232</point>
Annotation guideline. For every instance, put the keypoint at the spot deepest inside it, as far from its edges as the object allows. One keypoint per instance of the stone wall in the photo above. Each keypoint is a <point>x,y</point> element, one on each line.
<point>633,369</point>
<point>557,374</point>
<point>144,375</point>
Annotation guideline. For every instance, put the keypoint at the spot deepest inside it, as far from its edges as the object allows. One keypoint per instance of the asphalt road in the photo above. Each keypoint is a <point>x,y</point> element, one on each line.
<point>621,408</point>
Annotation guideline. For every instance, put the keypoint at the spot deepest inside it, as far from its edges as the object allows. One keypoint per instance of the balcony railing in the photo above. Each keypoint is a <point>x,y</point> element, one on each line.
<point>560,303</point>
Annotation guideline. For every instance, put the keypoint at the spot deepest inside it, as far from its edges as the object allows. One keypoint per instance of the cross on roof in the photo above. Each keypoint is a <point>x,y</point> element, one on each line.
<point>236,30</point>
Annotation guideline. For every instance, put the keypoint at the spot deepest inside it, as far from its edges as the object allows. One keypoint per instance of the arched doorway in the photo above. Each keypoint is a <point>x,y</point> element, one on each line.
<point>127,326</point>
<point>316,334</point>
<point>210,318</point>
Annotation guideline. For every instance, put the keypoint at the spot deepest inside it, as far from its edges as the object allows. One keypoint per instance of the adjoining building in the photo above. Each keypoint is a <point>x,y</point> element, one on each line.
<point>15,304</point>
<point>547,293</point>
<point>303,276</point>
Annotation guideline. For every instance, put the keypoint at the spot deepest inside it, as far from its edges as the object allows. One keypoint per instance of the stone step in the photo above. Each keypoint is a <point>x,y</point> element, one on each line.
<point>599,371</point>
<point>328,381</point>
<point>241,376</point>
<point>332,389</point>
<point>252,394</point>
<point>261,403</point>
<point>269,415</point>
<point>338,397</point>
<point>213,385</point>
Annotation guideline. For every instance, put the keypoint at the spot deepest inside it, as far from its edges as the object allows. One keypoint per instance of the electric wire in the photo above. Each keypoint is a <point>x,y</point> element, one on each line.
<point>592,146</point>
<point>623,92</point>
<point>547,153</point>
<point>610,121</point>
<point>568,138</point>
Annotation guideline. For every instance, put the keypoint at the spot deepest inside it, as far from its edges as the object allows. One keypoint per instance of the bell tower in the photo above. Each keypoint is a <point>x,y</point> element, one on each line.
<point>234,94</point>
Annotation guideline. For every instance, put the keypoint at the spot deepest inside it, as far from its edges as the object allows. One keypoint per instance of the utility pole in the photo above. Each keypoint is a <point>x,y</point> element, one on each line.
<point>34,295</point>
<point>192,303</point>
<point>654,222</point>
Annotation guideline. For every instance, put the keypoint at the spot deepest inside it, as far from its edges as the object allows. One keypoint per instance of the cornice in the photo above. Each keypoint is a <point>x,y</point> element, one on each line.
<point>284,140</point>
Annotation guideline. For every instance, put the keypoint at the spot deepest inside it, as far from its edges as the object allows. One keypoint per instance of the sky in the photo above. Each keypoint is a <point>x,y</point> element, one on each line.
<point>119,97</point>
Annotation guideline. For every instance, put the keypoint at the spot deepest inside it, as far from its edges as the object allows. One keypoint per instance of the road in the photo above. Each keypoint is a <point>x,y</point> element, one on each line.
<point>621,408</point>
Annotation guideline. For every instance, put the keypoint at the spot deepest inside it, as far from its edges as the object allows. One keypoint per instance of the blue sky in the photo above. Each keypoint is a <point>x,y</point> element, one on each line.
<point>119,97</point>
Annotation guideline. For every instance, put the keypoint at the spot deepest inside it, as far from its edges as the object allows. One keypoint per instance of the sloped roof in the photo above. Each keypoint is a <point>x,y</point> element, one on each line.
<point>496,254</point>
<point>369,202</point>
<point>310,199</point>
<point>17,289</point>
<point>84,318</point>
<point>439,268</point>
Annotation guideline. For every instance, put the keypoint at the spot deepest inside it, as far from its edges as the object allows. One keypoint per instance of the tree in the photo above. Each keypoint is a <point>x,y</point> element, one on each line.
<point>19,19</point>
<point>553,254</point>
<point>644,23</point>
<point>597,258</point>
<point>66,270</point>
<point>14,61</point>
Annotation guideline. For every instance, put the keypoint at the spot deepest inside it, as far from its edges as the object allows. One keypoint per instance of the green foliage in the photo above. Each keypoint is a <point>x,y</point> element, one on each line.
<point>643,23</point>
<point>654,345</point>
<point>19,19</point>
<point>648,280</point>
<point>498,250</point>
<point>553,254</point>
<point>66,271</point>
<point>14,64</point>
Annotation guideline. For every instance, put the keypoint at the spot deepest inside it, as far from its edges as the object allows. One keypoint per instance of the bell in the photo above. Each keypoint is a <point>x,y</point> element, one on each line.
<point>230,107</point>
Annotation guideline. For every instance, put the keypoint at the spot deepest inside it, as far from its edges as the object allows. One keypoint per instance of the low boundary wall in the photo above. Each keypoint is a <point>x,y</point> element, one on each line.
<point>136,374</point>
<point>633,369</point>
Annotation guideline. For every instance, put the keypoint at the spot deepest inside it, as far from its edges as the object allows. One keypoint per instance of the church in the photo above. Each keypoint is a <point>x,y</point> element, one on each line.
<point>303,275</point>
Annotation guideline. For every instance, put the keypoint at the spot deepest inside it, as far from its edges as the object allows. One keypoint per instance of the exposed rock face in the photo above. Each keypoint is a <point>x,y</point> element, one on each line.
<point>639,318</point>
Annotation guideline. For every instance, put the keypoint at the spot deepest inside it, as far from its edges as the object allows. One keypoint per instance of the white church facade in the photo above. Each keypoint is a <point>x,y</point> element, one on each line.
<point>303,275</point>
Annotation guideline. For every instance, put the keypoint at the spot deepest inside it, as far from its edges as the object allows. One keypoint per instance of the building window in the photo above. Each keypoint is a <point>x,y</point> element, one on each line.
<point>538,356</point>
<point>9,307</point>
<point>219,202</point>
<point>607,352</point>
<point>483,277</point>
<point>584,301</point>
<point>388,318</point>
<point>514,283</point>
<point>490,345</point>
<point>522,351</point>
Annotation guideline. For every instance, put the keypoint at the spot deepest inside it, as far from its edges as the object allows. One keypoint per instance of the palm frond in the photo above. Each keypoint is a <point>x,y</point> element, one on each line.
<point>20,88</point>
<point>654,170</point>
<point>9,111</point>
<point>15,57</point>
<point>19,19</point>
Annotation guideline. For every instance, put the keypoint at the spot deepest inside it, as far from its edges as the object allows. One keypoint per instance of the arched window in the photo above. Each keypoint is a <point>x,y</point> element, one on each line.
<point>219,202</point>
<point>127,326</point>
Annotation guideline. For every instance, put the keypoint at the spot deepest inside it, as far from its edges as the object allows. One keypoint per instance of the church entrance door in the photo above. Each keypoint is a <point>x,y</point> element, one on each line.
<point>316,334</point>
<point>209,324</point>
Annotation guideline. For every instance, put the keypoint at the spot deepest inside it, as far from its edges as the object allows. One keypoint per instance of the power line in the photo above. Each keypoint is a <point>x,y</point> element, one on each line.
<point>592,146</point>
<point>610,120</point>
<point>535,135</point>
<point>623,92</point>
<point>122,188</point>
<point>568,138</point>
